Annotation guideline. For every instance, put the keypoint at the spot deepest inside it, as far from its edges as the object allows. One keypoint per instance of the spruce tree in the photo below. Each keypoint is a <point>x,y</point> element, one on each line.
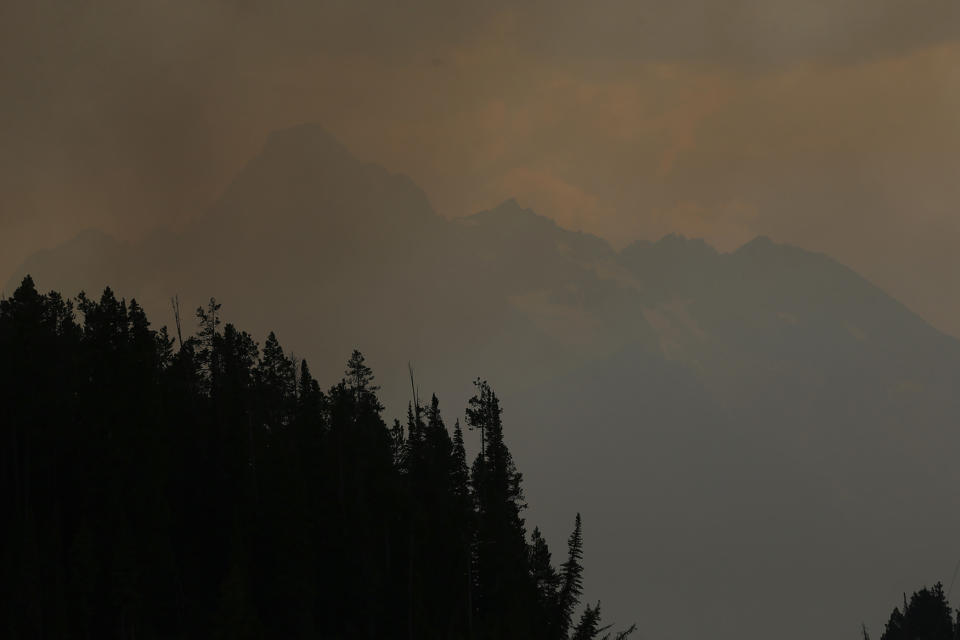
<point>571,580</point>
<point>506,594</point>
<point>547,583</point>
<point>588,628</point>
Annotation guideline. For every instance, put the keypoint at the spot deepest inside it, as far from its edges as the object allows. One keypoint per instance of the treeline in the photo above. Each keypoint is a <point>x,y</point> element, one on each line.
<point>926,616</point>
<point>206,488</point>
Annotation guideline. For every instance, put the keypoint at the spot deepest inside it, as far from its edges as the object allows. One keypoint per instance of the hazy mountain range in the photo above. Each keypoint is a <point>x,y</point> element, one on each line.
<point>761,442</point>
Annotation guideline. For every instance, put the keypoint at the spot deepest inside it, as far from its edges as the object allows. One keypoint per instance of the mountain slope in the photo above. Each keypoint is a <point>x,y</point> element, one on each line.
<point>727,422</point>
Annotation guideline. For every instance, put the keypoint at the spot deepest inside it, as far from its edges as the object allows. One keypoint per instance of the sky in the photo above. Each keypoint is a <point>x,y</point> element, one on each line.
<point>828,124</point>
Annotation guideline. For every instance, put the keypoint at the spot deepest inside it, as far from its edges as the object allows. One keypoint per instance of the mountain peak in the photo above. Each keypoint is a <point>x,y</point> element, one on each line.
<point>682,242</point>
<point>673,245</point>
<point>305,140</point>
<point>759,243</point>
<point>520,226</point>
<point>510,205</point>
<point>510,212</point>
<point>306,179</point>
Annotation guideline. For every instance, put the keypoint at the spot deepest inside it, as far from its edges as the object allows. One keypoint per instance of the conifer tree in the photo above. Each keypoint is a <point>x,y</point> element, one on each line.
<point>460,474</point>
<point>571,580</point>
<point>209,321</point>
<point>506,593</point>
<point>588,628</point>
<point>547,582</point>
<point>276,371</point>
<point>310,409</point>
<point>359,381</point>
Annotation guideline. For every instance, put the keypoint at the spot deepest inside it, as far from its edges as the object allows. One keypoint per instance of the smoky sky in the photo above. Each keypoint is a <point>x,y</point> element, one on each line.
<point>831,125</point>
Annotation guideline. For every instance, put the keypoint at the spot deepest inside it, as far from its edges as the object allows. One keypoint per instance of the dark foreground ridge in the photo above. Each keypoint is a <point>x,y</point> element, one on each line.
<point>159,486</point>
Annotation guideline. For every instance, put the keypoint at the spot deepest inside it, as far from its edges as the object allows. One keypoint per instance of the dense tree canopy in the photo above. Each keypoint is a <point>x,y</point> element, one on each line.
<point>150,489</point>
<point>927,616</point>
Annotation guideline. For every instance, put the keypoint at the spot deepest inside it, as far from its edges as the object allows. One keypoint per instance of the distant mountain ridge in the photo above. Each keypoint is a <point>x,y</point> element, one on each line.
<point>732,420</point>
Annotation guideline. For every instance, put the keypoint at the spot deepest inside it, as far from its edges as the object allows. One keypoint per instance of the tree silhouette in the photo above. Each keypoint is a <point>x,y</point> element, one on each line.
<point>927,616</point>
<point>571,581</point>
<point>216,490</point>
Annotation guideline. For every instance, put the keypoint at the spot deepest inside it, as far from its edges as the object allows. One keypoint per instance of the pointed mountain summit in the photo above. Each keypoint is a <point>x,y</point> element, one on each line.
<point>672,266</point>
<point>304,177</point>
<point>307,140</point>
<point>758,244</point>
<point>517,229</point>
<point>812,290</point>
<point>509,212</point>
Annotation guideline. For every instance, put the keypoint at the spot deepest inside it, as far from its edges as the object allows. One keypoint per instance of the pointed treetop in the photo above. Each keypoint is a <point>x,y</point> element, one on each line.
<point>359,375</point>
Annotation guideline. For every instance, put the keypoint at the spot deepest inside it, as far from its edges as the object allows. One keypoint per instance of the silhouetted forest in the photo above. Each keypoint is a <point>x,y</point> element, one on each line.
<point>926,616</point>
<point>165,486</point>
